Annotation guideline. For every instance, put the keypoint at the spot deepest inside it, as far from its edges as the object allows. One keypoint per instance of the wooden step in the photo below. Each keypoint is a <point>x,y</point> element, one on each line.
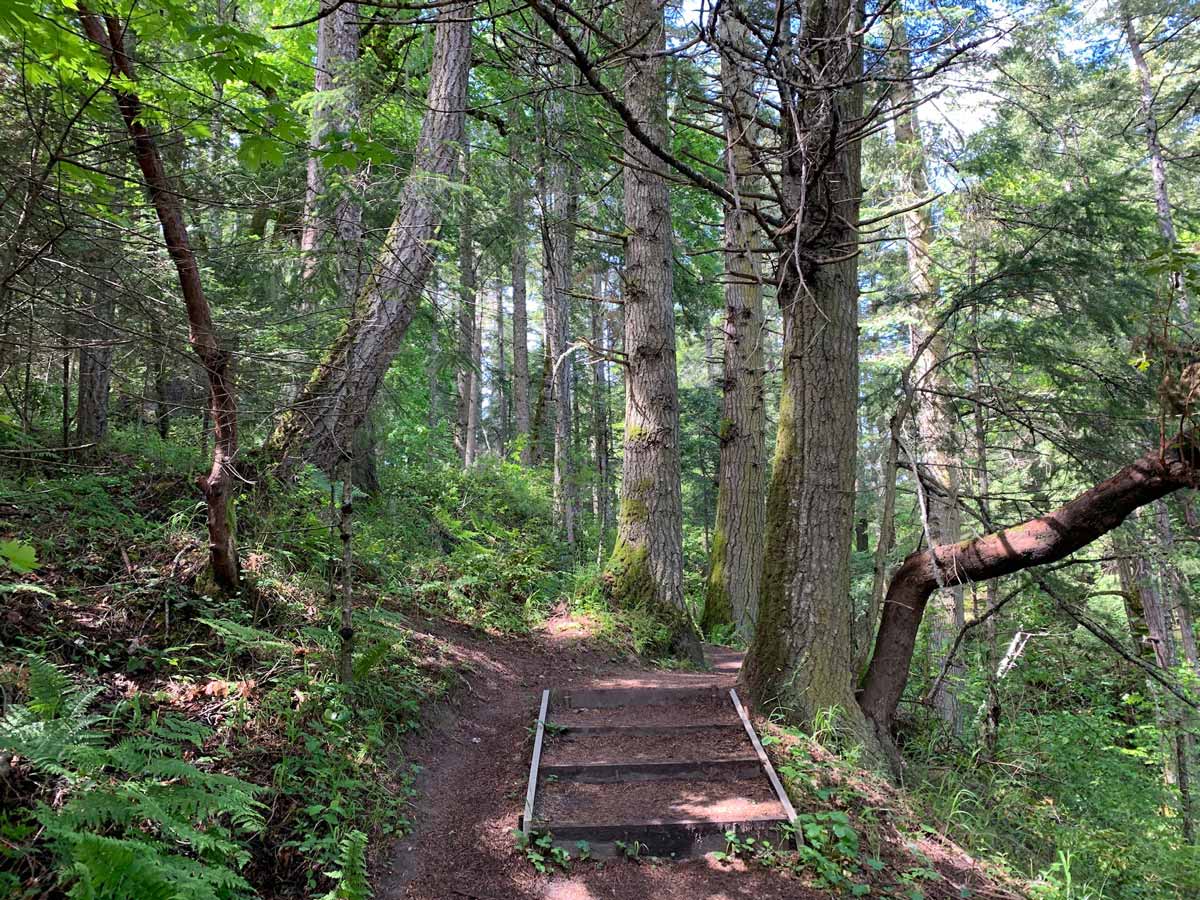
<point>707,709</point>
<point>681,839</point>
<point>732,726</point>
<point>647,770</point>
<point>682,817</point>
<point>605,698</point>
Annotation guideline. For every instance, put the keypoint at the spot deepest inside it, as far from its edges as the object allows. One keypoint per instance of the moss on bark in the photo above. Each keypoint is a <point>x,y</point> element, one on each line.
<point>718,608</point>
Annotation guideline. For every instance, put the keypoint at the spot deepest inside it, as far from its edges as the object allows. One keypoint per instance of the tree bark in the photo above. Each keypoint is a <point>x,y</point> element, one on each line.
<point>558,242</point>
<point>934,413</point>
<point>346,534</point>
<point>801,657</point>
<point>646,566</point>
<point>475,405</point>
<point>1045,539</point>
<point>517,208</point>
<point>500,379</point>
<point>600,423</point>
<point>1158,165</point>
<point>467,373</point>
<point>95,364</point>
<point>331,407</point>
<point>865,632</point>
<point>336,108</point>
<point>735,564</point>
<point>108,36</point>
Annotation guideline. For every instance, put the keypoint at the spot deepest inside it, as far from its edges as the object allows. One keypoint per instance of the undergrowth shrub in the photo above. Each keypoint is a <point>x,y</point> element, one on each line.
<point>329,749</point>
<point>477,545</point>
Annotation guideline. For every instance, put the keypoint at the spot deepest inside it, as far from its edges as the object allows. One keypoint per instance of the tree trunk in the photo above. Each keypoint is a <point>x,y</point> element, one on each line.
<point>95,365</point>
<point>346,533</point>
<point>520,319</point>
<point>475,404</point>
<point>935,415</point>
<point>66,384</point>
<point>331,407</point>
<point>646,566</point>
<point>500,379</point>
<point>990,713</point>
<point>464,437</point>
<point>1158,165</point>
<point>801,657</point>
<point>108,36</point>
<point>558,241</point>
<point>735,566</point>
<point>156,370</point>
<point>538,427</point>
<point>600,423</point>
<point>335,108</point>
<point>433,364</point>
<point>366,449</point>
<point>1045,539</point>
<point>1161,608</point>
<point>864,632</point>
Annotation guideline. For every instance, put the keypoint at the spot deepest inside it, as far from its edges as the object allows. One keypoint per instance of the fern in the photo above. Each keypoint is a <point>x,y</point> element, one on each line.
<point>351,874</point>
<point>131,816</point>
<point>243,637</point>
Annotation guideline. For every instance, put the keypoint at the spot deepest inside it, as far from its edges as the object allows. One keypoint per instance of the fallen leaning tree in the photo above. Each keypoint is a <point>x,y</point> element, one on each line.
<point>1038,541</point>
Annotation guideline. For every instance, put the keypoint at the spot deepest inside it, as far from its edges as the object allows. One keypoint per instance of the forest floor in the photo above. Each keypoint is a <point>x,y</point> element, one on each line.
<point>473,758</point>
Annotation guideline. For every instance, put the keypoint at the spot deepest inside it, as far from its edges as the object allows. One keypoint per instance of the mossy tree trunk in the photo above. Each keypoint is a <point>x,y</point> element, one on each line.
<point>801,658</point>
<point>601,427</point>
<point>736,559</point>
<point>646,566</point>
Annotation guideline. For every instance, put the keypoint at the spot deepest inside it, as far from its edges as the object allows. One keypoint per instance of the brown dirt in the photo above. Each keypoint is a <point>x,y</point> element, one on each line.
<point>714,743</point>
<point>686,713</point>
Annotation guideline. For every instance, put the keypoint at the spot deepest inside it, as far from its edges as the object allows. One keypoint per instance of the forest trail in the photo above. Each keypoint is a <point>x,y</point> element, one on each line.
<point>475,755</point>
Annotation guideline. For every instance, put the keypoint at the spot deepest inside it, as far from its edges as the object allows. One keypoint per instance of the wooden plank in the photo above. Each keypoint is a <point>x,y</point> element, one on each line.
<point>584,731</point>
<point>576,831</point>
<point>762,757</point>
<point>650,770</point>
<point>527,819</point>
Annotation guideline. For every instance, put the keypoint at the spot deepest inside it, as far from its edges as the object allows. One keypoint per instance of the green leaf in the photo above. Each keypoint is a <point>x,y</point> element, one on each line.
<point>20,556</point>
<point>255,151</point>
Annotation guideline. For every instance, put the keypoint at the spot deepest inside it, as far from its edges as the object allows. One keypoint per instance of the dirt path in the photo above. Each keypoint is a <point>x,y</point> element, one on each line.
<point>475,758</point>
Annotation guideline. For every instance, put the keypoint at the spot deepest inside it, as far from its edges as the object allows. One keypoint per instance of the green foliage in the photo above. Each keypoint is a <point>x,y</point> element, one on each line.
<point>351,873</point>
<point>484,541</point>
<point>540,852</point>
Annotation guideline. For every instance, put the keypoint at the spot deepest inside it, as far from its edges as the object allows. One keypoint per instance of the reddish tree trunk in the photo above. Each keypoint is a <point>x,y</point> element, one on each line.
<point>108,35</point>
<point>1045,539</point>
